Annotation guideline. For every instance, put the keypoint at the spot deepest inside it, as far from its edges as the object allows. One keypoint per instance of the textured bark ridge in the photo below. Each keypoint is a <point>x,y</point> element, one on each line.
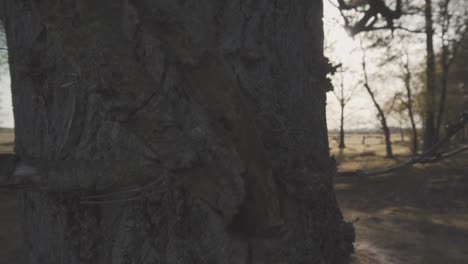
<point>221,103</point>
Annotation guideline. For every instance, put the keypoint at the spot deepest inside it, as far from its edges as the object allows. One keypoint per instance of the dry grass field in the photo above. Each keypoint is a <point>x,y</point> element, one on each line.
<point>6,142</point>
<point>418,215</point>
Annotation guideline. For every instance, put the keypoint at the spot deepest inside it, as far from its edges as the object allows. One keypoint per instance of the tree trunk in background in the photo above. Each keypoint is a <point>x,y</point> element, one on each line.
<point>414,132</point>
<point>381,113</point>
<point>342,101</point>
<point>465,102</point>
<point>388,142</point>
<point>216,108</point>
<point>409,105</point>
<point>429,126</point>
<point>444,65</point>
<point>383,122</point>
<point>402,134</point>
<point>342,136</point>
<point>443,91</point>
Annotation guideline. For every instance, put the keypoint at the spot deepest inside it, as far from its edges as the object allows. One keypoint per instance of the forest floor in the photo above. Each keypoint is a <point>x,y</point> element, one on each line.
<point>418,215</point>
<point>415,216</point>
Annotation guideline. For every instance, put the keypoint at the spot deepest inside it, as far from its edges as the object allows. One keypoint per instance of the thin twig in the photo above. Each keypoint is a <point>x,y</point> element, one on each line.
<point>136,190</point>
<point>112,200</point>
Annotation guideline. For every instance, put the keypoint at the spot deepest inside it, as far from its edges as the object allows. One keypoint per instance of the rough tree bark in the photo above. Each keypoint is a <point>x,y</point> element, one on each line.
<point>210,113</point>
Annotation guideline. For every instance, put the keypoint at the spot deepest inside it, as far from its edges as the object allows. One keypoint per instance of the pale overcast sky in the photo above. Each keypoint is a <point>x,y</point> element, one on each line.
<point>360,111</point>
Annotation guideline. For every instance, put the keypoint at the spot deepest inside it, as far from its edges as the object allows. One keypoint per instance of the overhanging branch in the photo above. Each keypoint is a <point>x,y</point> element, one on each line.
<point>376,10</point>
<point>430,156</point>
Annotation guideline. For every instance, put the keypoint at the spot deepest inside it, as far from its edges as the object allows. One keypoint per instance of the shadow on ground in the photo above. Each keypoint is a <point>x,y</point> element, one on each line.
<point>419,215</point>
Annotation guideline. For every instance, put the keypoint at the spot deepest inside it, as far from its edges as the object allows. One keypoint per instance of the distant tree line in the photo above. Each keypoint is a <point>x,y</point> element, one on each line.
<point>432,92</point>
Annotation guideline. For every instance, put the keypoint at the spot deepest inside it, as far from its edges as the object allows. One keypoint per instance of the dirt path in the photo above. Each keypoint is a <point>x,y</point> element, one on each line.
<point>400,239</point>
<point>419,216</point>
<point>367,252</point>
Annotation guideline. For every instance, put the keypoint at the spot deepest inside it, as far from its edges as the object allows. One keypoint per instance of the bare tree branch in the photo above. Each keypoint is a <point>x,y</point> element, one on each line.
<point>377,9</point>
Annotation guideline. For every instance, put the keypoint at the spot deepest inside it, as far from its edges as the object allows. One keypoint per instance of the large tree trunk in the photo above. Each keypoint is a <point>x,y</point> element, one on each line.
<point>204,120</point>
